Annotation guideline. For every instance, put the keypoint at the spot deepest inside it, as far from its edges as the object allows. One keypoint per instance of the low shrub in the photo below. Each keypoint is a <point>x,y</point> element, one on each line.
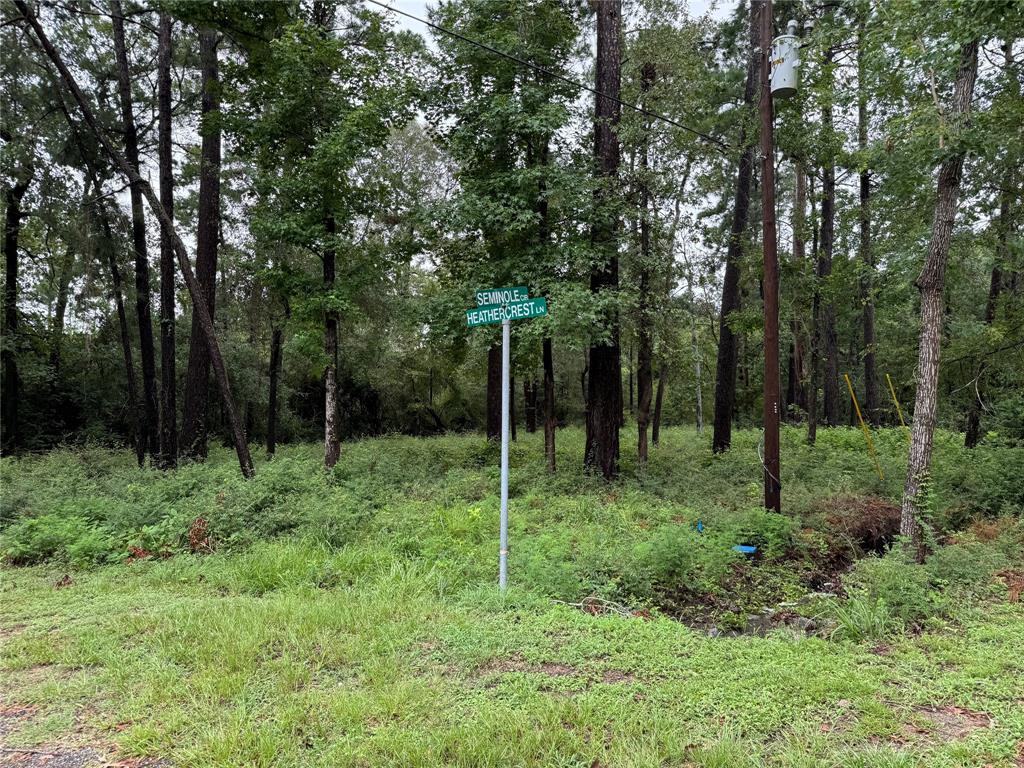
<point>905,588</point>
<point>70,539</point>
<point>966,566</point>
<point>861,618</point>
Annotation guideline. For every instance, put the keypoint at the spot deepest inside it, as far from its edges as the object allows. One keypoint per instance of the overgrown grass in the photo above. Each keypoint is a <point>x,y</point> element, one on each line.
<point>352,619</point>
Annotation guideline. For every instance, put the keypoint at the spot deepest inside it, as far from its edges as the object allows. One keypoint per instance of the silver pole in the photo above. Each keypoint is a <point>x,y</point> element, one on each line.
<point>506,328</point>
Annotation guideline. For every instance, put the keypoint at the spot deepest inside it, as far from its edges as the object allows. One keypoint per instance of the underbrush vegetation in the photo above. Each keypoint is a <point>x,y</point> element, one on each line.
<point>352,618</point>
<point>664,537</point>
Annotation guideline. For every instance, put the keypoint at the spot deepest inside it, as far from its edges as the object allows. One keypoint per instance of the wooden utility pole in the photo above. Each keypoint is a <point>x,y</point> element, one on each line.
<point>772,385</point>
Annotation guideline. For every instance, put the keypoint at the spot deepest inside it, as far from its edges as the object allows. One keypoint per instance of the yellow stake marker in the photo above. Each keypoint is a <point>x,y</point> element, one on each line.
<point>864,427</point>
<point>896,402</point>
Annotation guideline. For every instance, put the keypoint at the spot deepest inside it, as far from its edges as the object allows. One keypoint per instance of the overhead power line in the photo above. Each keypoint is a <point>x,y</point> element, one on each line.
<point>721,145</point>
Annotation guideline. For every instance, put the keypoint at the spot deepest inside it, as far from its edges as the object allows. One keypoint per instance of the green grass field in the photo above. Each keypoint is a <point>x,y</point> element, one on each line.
<point>354,620</point>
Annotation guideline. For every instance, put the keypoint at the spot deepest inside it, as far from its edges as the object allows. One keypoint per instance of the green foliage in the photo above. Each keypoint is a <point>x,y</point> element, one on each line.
<point>71,539</point>
<point>433,502</point>
<point>896,586</point>
<point>966,566</point>
<point>862,618</point>
<point>364,601</point>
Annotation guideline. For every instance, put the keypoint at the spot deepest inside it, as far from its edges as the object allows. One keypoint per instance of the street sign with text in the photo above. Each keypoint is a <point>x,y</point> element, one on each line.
<point>501,295</point>
<point>516,310</point>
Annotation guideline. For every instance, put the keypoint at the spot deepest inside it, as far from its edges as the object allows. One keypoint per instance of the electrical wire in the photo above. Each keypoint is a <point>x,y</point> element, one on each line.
<point>719,144</point>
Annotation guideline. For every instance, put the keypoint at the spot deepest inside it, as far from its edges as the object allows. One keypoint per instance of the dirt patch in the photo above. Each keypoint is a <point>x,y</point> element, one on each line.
<point>516,663</point>
<point>52,757</point>
<point>949,723</point>
<point>617,676</point>
<point>6,633</point>
<point>11,718</point>
<point>60,755</point>
<point>553,669</point>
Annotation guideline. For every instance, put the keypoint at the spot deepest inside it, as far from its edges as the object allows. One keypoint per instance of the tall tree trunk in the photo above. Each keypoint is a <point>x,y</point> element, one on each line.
<point>143,309</point>
<point>604,391</point>
<point>645,331</point>
<point>796,390</point>
<point>815,377</point>
<point>931,284</point>
<point>973,434</point>
<point>11,437</point>
<point>332,426</point>
<point>494,391</point>
<point>275,375</point>
<point>630,377</point>
<point>698,380</point>
<point>828,334</point>
<point>1005,229</point>
<point>168,458</point>
<point>196,413</point>
<point>138,415</point>
<point>725,372</point>
<point>184,263</point>
<point>543,236</point>
<point>866,256</point>
<point>530,403</point>
<point>549,404</point>
<point>60,307</point>
<point>659,400</point>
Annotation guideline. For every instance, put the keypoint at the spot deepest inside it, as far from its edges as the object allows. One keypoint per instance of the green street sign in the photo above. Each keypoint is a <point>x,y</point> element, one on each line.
<point>496,313</point>
<point>491,296</point>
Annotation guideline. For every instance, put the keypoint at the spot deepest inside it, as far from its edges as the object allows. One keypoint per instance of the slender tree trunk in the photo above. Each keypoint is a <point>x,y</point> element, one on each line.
<point>530,404</point>
<point>275,375</point>
<point>829,335</point>
<point>168,458</point>
<point>931,284</point>
<point>142,301</point>
<point>549,404</point>
<point>332,426</point>
<point>645,331</point>
<point>725,372</point>
<point>698,378</point>
<point>543,236</point>
<point>494,391</point>
<point>973,435</point>
<point>184,263</point>
<point>116,283</point>
<point>659,400</point>
<point>604,390</point>
<point>812,393</point>
<point>866,256</point>
<point>61,306</point>
<point>796,391</point>
<point>629,376</point>
<point>11,436</point>
<point>196,414</point>
<point>1005,228</point>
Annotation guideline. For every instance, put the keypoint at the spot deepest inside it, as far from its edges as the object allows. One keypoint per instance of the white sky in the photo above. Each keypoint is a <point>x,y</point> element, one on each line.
<point>719,10</point>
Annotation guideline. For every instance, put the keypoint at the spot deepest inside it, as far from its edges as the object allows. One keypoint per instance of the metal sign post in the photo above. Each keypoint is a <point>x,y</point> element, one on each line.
<point>506,338</point>
<point>503,305</point>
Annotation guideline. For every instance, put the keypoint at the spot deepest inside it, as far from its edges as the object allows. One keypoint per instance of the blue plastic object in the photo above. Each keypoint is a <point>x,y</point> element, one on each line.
<point>745,549</point>
<point>700,526</point>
